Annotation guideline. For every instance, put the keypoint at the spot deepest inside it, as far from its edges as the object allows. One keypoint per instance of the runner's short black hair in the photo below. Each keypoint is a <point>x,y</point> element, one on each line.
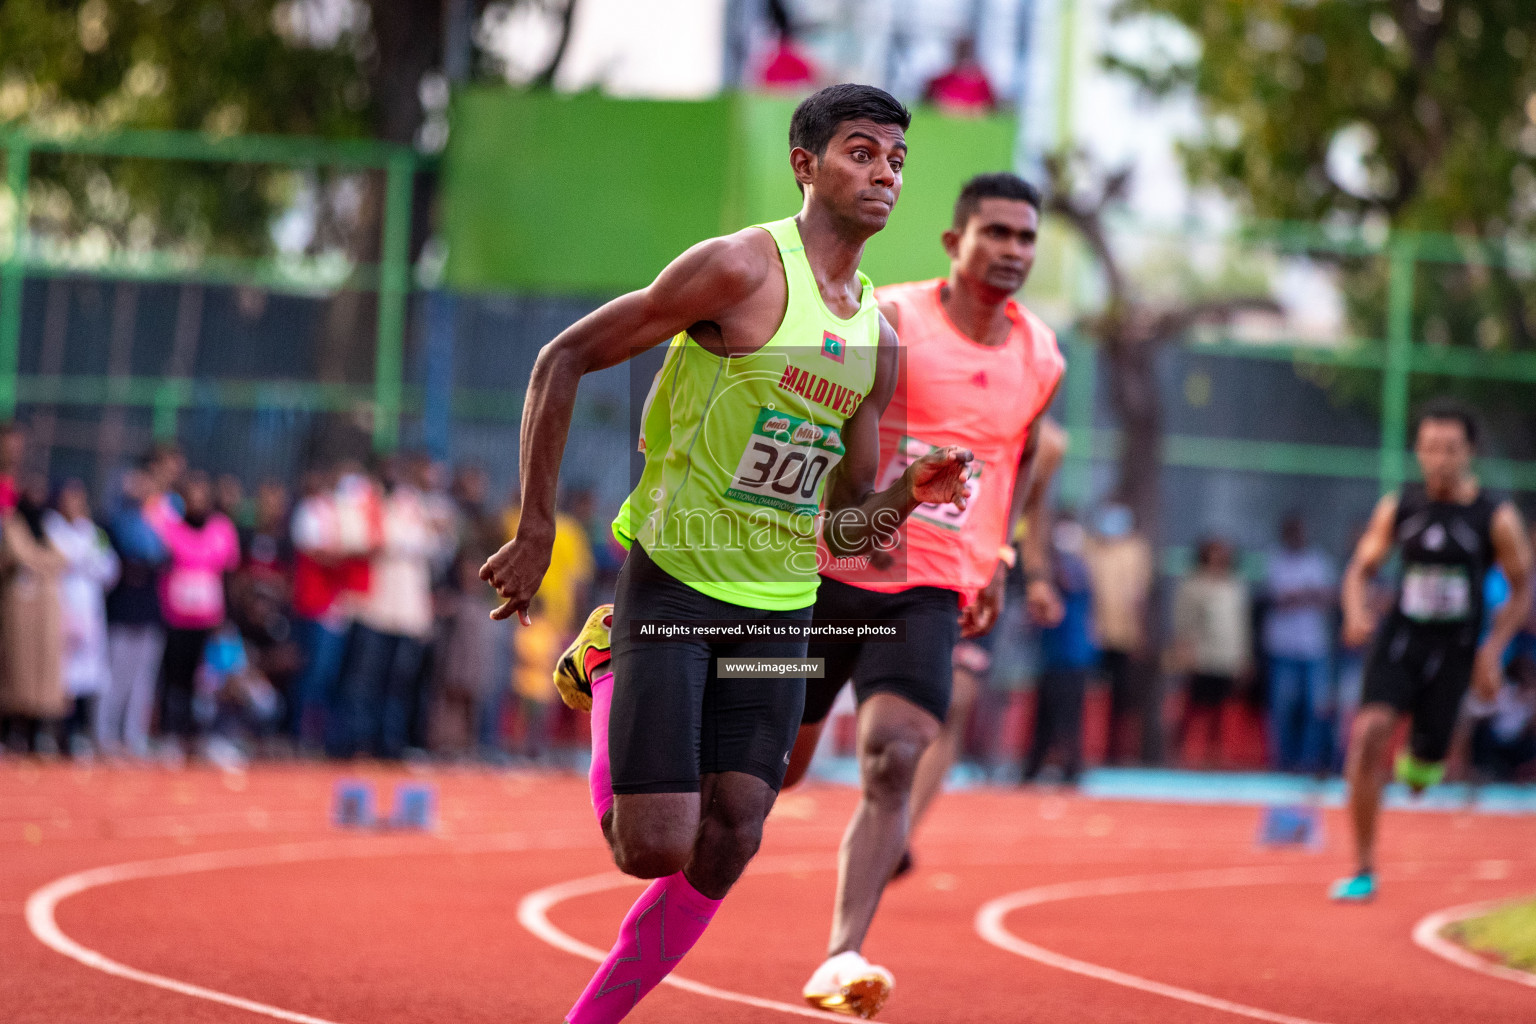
<point>1000,185</point>
<point>1446,409</point>
<point>816,119</point>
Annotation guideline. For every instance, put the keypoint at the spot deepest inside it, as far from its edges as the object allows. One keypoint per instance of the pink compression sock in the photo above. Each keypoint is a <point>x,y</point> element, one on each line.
<point>659,929</point>
<point>600,778</point>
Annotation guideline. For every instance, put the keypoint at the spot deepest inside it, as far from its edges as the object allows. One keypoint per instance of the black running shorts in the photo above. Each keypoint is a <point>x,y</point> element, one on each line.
<point>673,718</point>
<point>919,668</point>
<point>1424,673</point>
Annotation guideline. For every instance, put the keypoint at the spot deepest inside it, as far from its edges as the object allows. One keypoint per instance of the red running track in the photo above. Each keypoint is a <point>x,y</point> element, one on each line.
<point>402,929</point>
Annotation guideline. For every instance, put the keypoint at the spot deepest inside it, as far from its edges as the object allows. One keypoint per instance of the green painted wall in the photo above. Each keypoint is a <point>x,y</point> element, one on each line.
<point>590,195</point>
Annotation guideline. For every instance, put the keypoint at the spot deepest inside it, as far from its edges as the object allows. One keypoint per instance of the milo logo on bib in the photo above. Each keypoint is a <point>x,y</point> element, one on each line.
<point>784,463</point>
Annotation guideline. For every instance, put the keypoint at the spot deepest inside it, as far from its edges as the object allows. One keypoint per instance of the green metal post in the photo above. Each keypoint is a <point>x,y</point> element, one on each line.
<point>168,402</point>
<point>18,159</point>
<point>1394,377</point>
<point>1066,73</point>
<point>394,282</point>
<point>1077,472</point>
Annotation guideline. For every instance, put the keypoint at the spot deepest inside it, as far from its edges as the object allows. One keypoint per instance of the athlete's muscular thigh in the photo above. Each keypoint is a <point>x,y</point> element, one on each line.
<point>735,805</point>
<point>653,833</point>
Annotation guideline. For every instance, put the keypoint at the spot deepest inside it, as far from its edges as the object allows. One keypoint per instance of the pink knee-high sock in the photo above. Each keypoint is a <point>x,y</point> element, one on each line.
<point>662,926</point>
<point>600,778</point>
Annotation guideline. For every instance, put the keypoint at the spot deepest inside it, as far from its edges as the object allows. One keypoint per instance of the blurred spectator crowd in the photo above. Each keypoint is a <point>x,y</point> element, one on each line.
<point>1249,672</point>
<point>186,619</point>
<point>183,618</point>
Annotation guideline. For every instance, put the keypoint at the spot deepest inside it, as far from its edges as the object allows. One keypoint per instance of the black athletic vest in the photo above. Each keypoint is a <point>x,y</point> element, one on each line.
<point>1447,550</point>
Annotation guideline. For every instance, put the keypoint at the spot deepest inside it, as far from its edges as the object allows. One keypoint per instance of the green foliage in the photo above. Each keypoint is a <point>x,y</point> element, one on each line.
<point>222,67</point>
<point>1508,934</point>
<point>1369,116</point>
<point>1436,95</point>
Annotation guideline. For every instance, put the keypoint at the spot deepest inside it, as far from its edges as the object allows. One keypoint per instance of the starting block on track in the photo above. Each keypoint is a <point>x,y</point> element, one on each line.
<point>1294,825</point>
<point>353,805</point>
<point>415,807</point>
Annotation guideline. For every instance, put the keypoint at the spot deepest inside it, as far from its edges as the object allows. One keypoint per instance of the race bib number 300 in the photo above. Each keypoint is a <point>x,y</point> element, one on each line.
<point>947,516</point>
<point>1436,593</point>
<point>785,462</point>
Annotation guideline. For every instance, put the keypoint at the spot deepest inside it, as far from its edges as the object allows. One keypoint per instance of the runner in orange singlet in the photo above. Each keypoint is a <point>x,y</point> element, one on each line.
<point>979,371</point>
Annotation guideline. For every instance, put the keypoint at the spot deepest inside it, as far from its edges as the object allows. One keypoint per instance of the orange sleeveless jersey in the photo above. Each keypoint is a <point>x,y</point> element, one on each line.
<point>955,391</point>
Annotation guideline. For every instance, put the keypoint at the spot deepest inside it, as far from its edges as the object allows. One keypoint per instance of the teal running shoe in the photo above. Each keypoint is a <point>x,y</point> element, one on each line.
<point>1359,888</point>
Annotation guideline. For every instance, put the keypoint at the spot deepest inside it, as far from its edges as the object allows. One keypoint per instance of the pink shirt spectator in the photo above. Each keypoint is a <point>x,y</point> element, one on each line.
<point>787,68</point>
<point>962,90</point>
<point>192,589</point>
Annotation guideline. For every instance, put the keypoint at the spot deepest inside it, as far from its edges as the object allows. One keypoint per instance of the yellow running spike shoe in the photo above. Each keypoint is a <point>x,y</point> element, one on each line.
<point>847,983</point>
<point>587,653</point>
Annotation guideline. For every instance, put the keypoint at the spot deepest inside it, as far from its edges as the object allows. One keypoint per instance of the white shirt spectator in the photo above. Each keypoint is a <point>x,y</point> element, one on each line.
<point>1511,711</point>
<point>399,598</point>
<point>1210,620</point>
<point>93,569</point>
<point>1300,631</point>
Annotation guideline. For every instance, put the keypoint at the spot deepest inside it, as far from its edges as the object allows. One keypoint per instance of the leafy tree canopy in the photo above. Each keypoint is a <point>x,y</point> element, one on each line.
<point>1375,115</point>
<point>1422,112</point>
<point>219,66</point>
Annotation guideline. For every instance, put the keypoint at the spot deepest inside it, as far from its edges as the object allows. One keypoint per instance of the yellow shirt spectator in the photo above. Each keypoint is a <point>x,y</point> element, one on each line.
<point>554,609</point>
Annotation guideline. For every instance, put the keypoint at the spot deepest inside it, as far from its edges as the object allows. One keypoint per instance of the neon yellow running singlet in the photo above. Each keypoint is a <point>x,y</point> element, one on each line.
<point>738,450</point>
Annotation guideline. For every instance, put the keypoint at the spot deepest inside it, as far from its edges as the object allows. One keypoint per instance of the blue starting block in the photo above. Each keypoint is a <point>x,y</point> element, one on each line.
<point>1295,825</point>
<point>415,806</point>
<point>353,805</point>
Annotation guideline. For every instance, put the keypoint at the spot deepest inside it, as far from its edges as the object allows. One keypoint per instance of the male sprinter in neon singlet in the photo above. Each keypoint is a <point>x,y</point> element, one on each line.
<point>1426,652</point>
<point>770,394</point>
<point>979,371</point>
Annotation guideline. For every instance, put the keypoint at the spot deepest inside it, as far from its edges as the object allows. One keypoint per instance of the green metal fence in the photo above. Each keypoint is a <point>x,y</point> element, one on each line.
<point>390,279</point>
<point>1397,355</point>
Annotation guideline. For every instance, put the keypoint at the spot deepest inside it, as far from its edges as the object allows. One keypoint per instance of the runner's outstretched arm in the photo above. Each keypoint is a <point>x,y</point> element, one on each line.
<point>1374,547</point>
<point>1042,457</point>
<point>859,517</point>
<point>1041,597</point>
<point>703,284</point>
<point>1513,553</point>
<point>1031,484</point>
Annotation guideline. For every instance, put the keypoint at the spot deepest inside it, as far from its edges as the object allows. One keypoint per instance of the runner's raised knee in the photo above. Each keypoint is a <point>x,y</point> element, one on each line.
<point>888,758</point>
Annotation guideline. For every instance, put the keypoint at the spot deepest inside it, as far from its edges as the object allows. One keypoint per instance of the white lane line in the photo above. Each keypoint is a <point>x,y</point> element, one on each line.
<point>533,914</point>
<point>42,905</point>
<point>990,926</point>
<point>1427,933</point>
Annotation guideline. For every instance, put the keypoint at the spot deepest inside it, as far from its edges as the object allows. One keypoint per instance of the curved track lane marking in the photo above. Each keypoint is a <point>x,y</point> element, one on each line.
<point>533,914</point>
<point>42,905</point>
<point>1427,933</point>
<point>990,926</point>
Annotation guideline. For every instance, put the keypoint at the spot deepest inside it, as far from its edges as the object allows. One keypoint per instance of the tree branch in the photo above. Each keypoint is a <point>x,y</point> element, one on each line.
<point>546,79</point>
<point>1086,215</point>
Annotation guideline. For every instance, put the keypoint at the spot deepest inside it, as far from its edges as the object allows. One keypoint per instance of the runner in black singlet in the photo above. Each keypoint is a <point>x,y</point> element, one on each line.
<point>1431,646</point>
